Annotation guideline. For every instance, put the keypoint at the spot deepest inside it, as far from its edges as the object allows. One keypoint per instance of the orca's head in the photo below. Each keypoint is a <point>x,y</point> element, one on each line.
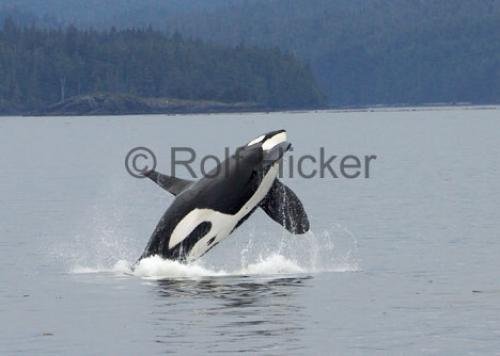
<point>274,144</point>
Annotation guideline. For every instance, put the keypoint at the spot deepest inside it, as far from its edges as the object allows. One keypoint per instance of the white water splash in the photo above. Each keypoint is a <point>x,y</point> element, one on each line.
<point>156,267</point>
<point>288,255</point>
<point>274,264</point>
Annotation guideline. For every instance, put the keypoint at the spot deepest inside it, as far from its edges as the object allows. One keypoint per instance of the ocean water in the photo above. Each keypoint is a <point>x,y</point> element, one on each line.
<point>406,261</point>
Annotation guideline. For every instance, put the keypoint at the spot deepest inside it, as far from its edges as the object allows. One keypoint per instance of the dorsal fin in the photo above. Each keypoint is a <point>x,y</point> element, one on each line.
<point>170,184</point>
<point>283,206</point>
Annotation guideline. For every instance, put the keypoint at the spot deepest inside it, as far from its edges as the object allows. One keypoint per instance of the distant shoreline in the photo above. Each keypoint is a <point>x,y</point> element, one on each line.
<point>119,105</point>
<point>422,107</point>
<point>124,104</point>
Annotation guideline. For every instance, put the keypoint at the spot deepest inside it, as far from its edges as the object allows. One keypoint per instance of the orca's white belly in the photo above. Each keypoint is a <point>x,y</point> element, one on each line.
<point>221,224</point>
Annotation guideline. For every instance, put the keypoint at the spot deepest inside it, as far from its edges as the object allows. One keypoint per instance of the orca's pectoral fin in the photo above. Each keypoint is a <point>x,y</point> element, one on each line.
<point>284,207</point>
<point>170,184</point>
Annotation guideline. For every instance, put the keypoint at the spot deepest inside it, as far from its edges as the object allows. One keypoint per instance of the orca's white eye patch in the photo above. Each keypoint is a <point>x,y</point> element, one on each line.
<point>257,140</point>
<point>274,141</point>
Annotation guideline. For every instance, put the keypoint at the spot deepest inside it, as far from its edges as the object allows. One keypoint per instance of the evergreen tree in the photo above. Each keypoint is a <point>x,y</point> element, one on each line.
<point>39,67</point>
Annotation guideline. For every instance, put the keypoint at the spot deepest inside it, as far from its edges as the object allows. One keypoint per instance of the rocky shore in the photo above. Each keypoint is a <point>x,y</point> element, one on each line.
<point>122,104</point>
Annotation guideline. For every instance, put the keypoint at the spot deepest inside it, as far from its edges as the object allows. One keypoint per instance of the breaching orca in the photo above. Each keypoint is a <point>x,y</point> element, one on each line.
<point>206,211</point>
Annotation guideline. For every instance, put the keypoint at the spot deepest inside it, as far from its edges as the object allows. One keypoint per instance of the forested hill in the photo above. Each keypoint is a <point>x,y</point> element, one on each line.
<point>39,67</point>
<point>361,51</point>
<point>367,52</point>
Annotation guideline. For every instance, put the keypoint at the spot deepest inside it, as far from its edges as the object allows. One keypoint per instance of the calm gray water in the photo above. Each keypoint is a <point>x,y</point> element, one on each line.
<point>405,262</point>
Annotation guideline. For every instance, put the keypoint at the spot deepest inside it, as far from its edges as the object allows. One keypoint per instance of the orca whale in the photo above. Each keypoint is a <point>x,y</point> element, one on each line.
<point>207,211</point>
